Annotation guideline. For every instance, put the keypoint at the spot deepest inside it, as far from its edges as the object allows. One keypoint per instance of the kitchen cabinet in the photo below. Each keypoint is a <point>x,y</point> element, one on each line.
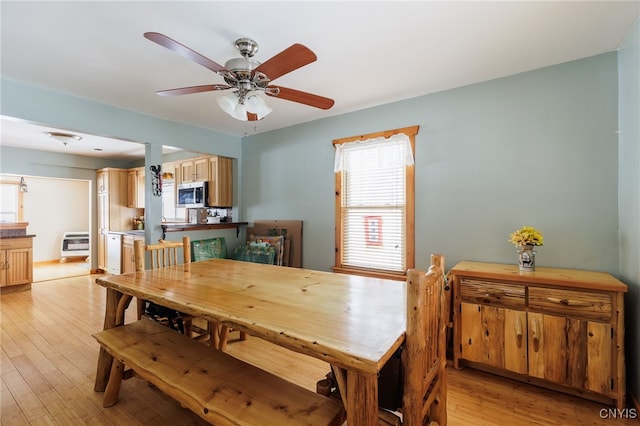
<point>113,212</point>
<point>128,261</point>
<point>194,170</point>
<point>220,181</point>
<point>16,261</point>
<point>135,188</point>
<point>558,328</point>
<point>171,171</point>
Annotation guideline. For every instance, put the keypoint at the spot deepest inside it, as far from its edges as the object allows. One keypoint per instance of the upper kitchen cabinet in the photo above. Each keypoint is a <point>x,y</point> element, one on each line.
<point>135,188</point>
<point>102,181</point>
<point>194,170</point>
<point>220,181</point>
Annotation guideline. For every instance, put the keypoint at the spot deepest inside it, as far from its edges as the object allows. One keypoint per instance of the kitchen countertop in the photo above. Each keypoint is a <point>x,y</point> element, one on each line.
<point>10,237</point>
<point>14,230</point>
<point>181,227</point>
<point>177,227</point>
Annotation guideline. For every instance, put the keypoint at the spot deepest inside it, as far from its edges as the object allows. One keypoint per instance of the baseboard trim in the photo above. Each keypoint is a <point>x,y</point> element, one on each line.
<point>61,260</point>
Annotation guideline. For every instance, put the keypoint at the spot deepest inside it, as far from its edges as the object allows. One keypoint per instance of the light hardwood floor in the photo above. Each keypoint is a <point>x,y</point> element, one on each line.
<point>48,362</point>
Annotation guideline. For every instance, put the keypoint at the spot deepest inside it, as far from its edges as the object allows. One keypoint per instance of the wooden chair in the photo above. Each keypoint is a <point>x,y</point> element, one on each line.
<point>424,400</point>
<point>165,253</point>
<point>424,356</point>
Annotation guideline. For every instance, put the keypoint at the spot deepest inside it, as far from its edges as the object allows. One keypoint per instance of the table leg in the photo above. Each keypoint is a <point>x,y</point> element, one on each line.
<point>359,395</point>
<point>113,316</point>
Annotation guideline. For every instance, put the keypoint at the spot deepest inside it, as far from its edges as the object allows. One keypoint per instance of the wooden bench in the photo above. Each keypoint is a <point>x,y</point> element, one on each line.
<point>221,389</point>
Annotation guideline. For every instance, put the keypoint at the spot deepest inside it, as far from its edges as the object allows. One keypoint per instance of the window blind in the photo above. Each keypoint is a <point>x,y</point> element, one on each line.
<point>373,206</point>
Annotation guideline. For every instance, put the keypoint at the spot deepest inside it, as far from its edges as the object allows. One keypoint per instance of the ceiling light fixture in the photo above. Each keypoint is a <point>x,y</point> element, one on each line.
<point>240,102</point>
<point>65,138</point>
<point>241,74</point>
<point>23,186</point>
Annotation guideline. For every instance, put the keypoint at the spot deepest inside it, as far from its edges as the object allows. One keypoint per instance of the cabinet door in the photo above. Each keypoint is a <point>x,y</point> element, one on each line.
<point>19,266</point>
<point>3,268</point>
<point>132,188</point>
<point>102,181</point>
<point>225,182</point>
<point>201,169</point>
<point>128,262</point>
<point>103,227</point>
<point>140,185</point>
<point>187,173</point>
<point>196,170</point>
<point>571,352</point>
<point>220,182</point>
<point>494,336</point>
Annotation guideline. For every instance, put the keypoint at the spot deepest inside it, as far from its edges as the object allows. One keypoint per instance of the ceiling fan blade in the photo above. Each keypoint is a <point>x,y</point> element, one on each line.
<point>252,117</point>
<point>183,50</point>
<point>290,59</point>
<point>302,97</point>
<point>193,89</point>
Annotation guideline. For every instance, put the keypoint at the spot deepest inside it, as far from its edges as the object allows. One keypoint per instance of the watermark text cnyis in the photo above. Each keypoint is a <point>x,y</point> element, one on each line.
<point>616,413</point>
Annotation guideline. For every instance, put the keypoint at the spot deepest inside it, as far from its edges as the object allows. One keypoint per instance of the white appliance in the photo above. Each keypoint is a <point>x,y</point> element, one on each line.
<point>75,244</point>
<point>114,248</point>
<point>193,194</point>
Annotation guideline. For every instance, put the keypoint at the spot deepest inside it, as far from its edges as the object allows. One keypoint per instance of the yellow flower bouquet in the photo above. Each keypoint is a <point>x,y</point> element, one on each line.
<point>138,222</point>
<point>526,236</point>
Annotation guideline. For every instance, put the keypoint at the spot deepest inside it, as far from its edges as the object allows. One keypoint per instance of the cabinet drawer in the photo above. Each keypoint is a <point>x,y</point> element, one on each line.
<point>582,304</point>
<point>16,243</point>
<point>492,293</point>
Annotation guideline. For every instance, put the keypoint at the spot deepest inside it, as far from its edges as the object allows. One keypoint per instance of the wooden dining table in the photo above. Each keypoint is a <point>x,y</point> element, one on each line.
<point>352,322</point>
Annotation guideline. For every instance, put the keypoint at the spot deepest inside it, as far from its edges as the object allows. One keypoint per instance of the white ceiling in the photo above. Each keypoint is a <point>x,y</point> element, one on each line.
<point>369,53</point>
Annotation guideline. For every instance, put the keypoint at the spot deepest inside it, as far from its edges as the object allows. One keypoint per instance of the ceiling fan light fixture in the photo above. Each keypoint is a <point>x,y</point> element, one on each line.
<point>65,138</point>
<point>240,112</point>
<point>256,104</point>
<point>247,77</point>
<point>228,102</point>
<point>253,103</point>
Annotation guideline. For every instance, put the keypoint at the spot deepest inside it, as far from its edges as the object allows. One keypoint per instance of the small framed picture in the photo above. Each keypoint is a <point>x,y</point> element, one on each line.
<point>373,230</point>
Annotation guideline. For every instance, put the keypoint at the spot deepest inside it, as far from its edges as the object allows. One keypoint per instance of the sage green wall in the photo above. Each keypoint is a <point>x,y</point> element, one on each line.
<point>48,108</point>
<point>538,149</point>
<point>629,195</point>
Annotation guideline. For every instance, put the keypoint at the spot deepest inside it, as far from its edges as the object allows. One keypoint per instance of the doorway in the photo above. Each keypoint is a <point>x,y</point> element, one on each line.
<point>52,207</point>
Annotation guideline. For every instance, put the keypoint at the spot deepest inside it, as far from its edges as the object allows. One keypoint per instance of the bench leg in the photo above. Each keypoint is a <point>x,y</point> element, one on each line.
<point>113,387</point>
<point>104,358</point>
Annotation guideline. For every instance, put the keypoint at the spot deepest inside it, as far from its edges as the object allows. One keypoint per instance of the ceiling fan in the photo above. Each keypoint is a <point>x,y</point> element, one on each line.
<point>247,77</point>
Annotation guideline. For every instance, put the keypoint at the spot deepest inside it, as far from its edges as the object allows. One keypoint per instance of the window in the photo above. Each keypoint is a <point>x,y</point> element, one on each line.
<point>375,203</point>
<point>11,209</point>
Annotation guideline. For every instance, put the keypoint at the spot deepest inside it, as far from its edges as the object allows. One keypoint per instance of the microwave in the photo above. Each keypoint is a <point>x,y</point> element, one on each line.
<point>193,195</point>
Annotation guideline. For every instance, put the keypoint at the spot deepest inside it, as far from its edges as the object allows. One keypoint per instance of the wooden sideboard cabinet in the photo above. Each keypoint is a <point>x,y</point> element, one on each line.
<point>558,328</point>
